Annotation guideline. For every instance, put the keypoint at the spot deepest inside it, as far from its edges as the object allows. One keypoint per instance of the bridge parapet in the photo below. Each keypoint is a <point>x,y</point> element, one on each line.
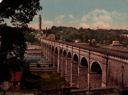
<point>107,51</point>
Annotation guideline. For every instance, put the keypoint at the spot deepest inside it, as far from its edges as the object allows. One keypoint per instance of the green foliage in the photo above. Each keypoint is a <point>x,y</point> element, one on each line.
<point>21,12</point>
<point>101,36</point>
<point>12,42</point>
<point>125,42</point>
<point>30,36</point>
<point>51,80</point>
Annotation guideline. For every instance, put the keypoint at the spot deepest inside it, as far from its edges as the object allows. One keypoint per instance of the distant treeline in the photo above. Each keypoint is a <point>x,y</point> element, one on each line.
<point>101,36</point>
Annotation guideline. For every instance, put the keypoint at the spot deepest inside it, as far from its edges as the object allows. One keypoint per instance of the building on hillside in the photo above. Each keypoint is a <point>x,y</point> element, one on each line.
<point>51,37</point>
<point>116,43</point>
<point>77,41</point>
<point>124,35</point>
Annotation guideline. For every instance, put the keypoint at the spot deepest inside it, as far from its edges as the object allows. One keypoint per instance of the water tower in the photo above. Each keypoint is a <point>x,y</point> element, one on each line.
<point>40,22</point>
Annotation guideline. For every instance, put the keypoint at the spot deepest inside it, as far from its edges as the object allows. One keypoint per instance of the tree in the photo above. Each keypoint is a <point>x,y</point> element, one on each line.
<point>30,36</point>
<point>12,50</point>
<point>20,12</point>
<point>12,41</point>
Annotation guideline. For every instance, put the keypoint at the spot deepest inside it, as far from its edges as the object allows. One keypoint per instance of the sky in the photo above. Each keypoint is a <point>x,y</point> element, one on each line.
<point>108,14</point>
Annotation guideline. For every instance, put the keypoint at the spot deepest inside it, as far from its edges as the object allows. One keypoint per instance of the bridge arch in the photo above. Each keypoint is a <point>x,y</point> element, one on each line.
<point>84,62</point>
<point>60,61</point>
<point>75,58</point>
<point>96,75</point>
<point>69,55</point>
<point>69,66</point>
<point>83,73</point>
<point>56,50</point>
<point>96,68</point>
<point>60,51</point>
<point>52,49</point>
<point>49,46</point>
<point>64,53</point>
<point>75,70</point>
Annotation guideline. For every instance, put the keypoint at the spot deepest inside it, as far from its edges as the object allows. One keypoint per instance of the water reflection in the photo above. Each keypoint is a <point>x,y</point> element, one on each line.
<point>35,58</point>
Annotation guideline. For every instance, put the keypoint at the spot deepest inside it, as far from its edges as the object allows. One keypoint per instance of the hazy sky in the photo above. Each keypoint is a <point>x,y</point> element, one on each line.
<point>84,13</point>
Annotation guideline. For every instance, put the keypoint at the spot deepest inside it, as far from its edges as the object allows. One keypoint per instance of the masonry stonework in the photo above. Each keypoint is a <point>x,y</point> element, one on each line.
<point>105,68</point>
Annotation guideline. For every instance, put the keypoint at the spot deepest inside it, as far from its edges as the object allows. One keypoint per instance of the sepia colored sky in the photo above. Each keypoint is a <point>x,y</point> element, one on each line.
<point>84,13</point>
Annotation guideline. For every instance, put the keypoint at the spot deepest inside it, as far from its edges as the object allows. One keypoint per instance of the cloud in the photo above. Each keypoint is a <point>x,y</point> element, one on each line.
<point>97,15</point>
<point>98,18</point>
<point>59,19</point>
<point>101,25</point>
<point>71,16</point>
<point>47,23</point>
<point>84,25</point>
<point>101,18</point>
<point>95,25</point>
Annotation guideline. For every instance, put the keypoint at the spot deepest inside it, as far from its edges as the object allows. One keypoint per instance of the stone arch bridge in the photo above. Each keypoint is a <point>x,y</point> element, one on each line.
<point>87,67</point>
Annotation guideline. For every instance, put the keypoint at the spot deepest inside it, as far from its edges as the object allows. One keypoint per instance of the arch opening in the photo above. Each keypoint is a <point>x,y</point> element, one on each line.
<point>69,55</point>
<point>75,70</point>
<point>52,48</point>
<point>83,73</point>
<point>64,53</point>
<point>84,62</point>
<point>56,50</point>
<point>60,51</point>
<point>96,68</point>
<point>75,58</point>
<point>48,46</point>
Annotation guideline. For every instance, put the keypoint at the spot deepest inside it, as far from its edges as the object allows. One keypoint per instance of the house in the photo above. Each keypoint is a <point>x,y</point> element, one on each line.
<point>16,78</point>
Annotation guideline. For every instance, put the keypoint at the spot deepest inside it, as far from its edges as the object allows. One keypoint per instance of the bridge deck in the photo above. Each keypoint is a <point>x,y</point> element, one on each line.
<point>112,52</point>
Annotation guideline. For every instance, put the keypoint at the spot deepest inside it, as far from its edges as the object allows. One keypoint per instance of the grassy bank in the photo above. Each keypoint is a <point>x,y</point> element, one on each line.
<point>51,80</point>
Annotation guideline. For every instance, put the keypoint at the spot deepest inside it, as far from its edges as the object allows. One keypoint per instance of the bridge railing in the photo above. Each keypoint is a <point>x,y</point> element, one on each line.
<point>75,91</point>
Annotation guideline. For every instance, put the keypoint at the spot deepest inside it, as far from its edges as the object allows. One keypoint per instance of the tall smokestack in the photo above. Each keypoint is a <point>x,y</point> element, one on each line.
<point>40,22</point>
